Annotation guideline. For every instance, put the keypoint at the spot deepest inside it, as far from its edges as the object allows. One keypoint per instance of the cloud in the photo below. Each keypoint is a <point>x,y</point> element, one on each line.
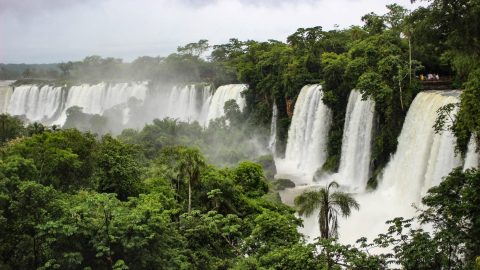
<point>61,30</point>
<point>26,7</point>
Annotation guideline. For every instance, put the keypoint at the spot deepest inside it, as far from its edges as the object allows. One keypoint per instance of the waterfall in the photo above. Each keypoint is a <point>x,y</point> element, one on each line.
<point>36,103</point>
<point>354,167</point>
<point>49,104</point>
<point>422,158</point>
<point>273,129</point>
<point>188,103</point>
<point>96,99</point>
<point>223,94</point>
<point>472,156</point>
<point>6,92</point>
<point>307,136</point>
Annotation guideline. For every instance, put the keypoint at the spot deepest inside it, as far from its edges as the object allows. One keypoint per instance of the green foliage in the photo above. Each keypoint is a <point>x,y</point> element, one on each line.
<point>467,120</point>
<point>10,128</point>
<point>329,204</point>
<point>272,230</point>
<point>249,176</point>
<point>76,118</point>
<point>221,143</point>
<point>194,49</point>
<point>338,256</point>
<point>233,113</point>
<point>296,257</point>
<point>451,210</point>
<point>118,168</point>
<point>71,200</point>
<point>29,71</point>
<point>63,159</point>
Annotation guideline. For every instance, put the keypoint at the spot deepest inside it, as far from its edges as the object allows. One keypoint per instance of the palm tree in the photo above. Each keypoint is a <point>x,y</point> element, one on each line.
<point>190,164</point>
<point>330,203</point>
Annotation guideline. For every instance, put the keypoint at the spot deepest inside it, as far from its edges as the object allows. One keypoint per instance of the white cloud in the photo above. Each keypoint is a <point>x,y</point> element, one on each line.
<point>52,31</point>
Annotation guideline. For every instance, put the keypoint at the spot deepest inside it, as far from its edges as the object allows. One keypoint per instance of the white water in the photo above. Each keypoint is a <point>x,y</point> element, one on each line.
<point>422,159</point>
<point>472,158</point>
<point>354,169</point>
<point>189,103</point>
<point>273,130</point>
<point>307,137</point>
<point>48,104</point>
<point>96,99</point>
<point>6,92</point>
<point>36,104</point>
<point>223,94</point>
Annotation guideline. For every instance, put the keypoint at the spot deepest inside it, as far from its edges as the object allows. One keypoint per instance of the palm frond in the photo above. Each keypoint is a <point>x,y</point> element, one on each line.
<point>308,201</point>
<point>345,202</point>
<point>332,184</point>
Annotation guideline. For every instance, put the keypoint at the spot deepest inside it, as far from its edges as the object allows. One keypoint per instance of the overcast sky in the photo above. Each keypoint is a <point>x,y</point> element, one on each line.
<point>46,31</point>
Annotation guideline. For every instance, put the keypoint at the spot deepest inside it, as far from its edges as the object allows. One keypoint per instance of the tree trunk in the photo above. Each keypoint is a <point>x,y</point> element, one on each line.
<point>410,58</point>
<point>189,196</point>
<point>401,94</point>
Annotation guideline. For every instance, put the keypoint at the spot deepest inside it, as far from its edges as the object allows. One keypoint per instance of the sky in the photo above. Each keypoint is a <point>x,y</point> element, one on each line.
<point>49,31</point>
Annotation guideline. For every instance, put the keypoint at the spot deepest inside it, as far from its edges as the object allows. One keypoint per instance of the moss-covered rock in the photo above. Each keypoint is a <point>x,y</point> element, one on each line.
<point>281,184</point>
<point>268,164</point>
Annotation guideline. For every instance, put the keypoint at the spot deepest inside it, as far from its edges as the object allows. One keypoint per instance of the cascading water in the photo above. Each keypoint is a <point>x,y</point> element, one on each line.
<point>423,157</point>
<point>96,99</point>
<point>307,136</point>
<point>6,92</point>
<point>122,101</point>
<point>188,103</point>
<point>273,129</point>
<point>354,167</point>
<point>36,103</point>
<point>48,104</point>
<point>472,159</point>
<point>223,94</point>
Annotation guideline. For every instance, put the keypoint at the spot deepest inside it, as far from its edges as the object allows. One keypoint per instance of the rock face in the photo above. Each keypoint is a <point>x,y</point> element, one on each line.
<point>290,106</point>
<point>281,184</point>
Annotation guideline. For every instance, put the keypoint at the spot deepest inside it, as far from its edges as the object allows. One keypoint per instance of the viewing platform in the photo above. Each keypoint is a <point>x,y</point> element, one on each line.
<point>444,83</point>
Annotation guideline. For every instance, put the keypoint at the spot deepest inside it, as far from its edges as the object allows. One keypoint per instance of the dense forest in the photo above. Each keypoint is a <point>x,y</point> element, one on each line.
<point>157,198</point>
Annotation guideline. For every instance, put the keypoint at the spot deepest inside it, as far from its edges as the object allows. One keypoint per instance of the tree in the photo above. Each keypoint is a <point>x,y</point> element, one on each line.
<point>189,165</point>
<point>395,16</point>
<point>195,49</point>
<point>467,121</point>
<point>232,112</point>
<point>25,207</point>
<point>119,169</point>
<point>66,68</point>
<point>453,210</point>
<point>330,204</point>
<point>10,128</point>
<point>249,176</point>
<point>35,128</point>
<point>64,159</point>
<point>374,24</point>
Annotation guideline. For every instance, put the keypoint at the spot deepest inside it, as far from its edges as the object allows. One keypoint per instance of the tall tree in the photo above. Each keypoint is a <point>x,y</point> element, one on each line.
<point>189,165</point>
<point>330,203</point>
